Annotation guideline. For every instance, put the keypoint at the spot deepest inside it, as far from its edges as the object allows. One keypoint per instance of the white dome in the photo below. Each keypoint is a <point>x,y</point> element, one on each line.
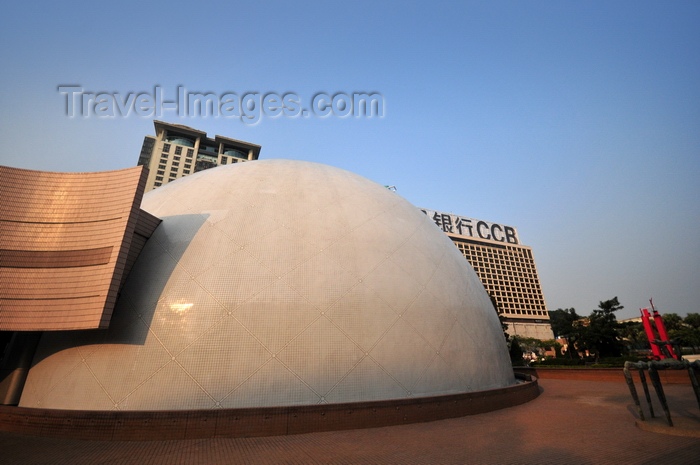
<point>276,283</point>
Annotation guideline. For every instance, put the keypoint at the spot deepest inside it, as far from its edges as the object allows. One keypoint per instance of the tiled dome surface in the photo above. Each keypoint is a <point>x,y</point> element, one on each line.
<point>280,283</point>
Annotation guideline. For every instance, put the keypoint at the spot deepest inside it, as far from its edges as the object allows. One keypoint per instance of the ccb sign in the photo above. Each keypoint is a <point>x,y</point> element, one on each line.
<point>470,227</point>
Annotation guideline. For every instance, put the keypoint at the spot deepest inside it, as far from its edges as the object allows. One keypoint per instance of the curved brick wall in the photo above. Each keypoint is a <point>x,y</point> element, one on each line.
<point>251,422</point>
<point>64,245</point>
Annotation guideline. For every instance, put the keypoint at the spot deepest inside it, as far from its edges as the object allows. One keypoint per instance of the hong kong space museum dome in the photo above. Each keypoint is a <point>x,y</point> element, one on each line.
<point>280,283</point>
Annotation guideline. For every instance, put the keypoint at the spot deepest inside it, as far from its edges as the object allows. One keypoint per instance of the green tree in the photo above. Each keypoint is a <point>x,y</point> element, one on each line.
<point>692,319</point>
<point>530,345</point>
<point>688,332</point>
<point>564,324</point>
<point>515,351</point>
<point>550,344</point>
<point>600,336</point>
<point>687,336</point>
<point>562,321</point>
<point>633,335</point>
<point>672,321</point>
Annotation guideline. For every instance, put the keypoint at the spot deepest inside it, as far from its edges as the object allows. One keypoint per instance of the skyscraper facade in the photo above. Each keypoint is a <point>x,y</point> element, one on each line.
<point>176,151</point>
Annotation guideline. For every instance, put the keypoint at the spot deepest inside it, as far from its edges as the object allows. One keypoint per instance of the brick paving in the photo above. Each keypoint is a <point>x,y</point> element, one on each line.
<point>571,422</point>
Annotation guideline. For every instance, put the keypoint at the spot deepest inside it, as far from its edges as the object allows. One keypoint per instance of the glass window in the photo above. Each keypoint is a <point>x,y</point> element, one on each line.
<point>179,139</point>
<point>235,152</point>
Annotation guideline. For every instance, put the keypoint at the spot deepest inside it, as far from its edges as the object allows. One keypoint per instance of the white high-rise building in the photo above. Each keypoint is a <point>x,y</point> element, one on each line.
<point>178,150</point>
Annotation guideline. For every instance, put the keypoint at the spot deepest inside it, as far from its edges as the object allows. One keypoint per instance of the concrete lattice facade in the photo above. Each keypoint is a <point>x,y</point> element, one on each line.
<point>505,267</point>
<point>178,151</point>
<point>509,275</point>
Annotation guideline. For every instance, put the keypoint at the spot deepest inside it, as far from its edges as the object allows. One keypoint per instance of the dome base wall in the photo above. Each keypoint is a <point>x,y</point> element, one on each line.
<point>256,422</point>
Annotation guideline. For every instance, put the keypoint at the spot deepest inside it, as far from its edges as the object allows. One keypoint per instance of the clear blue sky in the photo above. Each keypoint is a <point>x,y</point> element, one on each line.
<point>576,122</point>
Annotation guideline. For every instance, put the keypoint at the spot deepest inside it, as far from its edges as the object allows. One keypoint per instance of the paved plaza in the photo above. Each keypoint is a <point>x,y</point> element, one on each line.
<point>571,422</point>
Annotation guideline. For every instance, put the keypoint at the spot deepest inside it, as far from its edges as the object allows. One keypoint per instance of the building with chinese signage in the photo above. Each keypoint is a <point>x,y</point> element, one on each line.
<point>505,267</point>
